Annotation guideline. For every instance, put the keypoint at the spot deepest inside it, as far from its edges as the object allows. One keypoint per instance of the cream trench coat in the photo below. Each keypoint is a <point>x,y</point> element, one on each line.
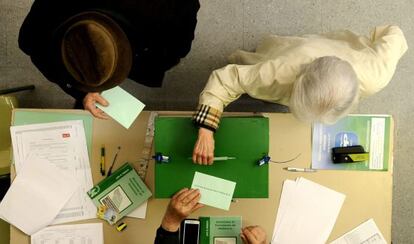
<point>268,73</point>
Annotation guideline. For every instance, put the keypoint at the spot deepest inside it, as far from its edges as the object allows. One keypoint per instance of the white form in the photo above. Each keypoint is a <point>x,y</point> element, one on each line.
<point>64,145</point>
<point>365,233</point>
<point>308,213</point>
<point>36,196</point>
<point>70,234</point>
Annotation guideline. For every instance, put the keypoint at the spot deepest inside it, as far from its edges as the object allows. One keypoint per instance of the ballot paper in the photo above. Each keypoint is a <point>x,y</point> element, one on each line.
<point>37,195</point>
<point>70,234</point>
<point>215,192</point>
<point>123,107</point>
<point>64,145</point>
<point>307,212</point>
<point>365,233</point>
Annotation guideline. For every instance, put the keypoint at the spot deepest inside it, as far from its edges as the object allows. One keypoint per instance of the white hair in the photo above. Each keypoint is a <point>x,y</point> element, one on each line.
<point>325,91</point>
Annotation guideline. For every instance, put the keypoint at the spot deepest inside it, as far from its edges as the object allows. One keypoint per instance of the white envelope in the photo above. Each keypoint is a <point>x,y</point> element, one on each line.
<point>36,196</point>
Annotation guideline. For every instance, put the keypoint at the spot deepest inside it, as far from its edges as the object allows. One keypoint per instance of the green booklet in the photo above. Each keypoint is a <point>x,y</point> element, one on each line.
<point>220,230</point>
<point>122,192</point>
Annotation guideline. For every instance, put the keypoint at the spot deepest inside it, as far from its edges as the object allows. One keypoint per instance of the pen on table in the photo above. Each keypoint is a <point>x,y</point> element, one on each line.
<point>113,162</point>
<point>103,160</point>
<point>223,158</point>
<point>292,169</point>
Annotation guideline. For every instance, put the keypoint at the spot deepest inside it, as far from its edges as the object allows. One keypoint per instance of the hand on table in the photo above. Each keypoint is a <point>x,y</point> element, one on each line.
<point>253,235</point>
<point>204,147</point>
<point>89,103</point>
<point>182,204</point>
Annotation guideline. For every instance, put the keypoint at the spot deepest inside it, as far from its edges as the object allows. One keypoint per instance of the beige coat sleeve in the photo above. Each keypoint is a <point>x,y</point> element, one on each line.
<point>262,81</point>
<point>389,45</point>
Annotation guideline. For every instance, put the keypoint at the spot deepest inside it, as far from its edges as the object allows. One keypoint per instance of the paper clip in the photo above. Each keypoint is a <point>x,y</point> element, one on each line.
<point>161,158</point>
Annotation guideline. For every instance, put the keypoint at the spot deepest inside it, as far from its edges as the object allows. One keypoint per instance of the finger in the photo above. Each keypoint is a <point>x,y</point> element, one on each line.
<point>176,195</point>
<point>210,158</point>
<point>199,159</point>
<point>101,100</point>
<point>194,194</point>
<point>97,113</point>
<point>194,157</point>
<point>257,231</point>
<point>197,206</point>
<point>102,113</point>
<point>249,235</point>
<point>193,198</point>
<point>185,194</point>
<point>243,237</point>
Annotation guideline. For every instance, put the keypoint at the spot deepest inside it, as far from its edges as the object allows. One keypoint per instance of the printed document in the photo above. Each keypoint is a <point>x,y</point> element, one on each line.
<point>64,145</point>
<point>307,212</point>
<point>36,196</point>
<point>70,234</point>
<point>365,233</point>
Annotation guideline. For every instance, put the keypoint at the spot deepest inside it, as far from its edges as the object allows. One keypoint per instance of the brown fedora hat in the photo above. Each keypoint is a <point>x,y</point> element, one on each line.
<point>95,51</point>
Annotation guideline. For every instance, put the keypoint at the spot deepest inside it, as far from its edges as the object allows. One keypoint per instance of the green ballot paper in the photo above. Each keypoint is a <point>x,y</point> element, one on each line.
<point>123,191</point>
<point>123,107</point>
<point>215,192</point>
<point>220,230</point>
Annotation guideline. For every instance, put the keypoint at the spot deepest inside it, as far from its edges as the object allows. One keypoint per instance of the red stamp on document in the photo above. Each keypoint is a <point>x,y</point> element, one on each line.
<point>66,135</point>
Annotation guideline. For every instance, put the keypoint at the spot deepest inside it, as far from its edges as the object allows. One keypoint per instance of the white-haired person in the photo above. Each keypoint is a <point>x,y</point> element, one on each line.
<point>319,77</point>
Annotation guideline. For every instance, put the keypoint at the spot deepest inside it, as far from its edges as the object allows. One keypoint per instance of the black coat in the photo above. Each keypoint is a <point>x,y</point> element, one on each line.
<point>160,33</point>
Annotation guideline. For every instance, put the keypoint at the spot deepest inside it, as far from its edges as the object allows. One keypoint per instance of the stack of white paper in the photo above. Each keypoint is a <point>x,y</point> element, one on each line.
<point>307,212</point>
<point>36,196</point>
<point>71,234</point>
<point>62,144</point>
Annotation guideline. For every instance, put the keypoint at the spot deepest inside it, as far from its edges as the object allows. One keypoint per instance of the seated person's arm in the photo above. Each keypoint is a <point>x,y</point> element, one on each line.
<point>182,204</point>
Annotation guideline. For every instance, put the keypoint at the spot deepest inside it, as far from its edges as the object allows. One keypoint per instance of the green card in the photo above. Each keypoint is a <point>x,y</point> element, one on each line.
<point>123,107</point>
<point>246,138</point>
<point>215,192</point>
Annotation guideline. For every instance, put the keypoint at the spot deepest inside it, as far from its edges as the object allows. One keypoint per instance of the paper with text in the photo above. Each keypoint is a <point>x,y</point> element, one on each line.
<point>64,145</point>
<point>215,192</point>
<point>70,234</point>
<point>365,233</point>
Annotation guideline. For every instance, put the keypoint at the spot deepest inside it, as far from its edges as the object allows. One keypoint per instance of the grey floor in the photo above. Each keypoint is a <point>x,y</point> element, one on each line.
<point>227,25</point>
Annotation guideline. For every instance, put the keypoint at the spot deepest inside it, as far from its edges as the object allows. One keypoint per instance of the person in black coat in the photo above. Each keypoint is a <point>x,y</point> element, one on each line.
<point>149,37</point>
<point>184,203</point>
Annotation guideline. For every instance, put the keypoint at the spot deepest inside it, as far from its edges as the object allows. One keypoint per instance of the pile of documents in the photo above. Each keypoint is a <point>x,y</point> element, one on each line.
<point>307,212</point>
<point>52,176</point>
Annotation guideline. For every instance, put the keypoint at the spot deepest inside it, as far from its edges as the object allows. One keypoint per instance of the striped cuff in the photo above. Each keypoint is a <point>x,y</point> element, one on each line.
<point>207,117</point>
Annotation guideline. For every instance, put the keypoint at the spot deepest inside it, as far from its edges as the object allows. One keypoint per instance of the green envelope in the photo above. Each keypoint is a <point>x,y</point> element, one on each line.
<point>246,138</point>
<point>123,107</point>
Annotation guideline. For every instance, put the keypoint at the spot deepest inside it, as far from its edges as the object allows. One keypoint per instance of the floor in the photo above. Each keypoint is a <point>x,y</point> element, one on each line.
<point>224,26</point>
